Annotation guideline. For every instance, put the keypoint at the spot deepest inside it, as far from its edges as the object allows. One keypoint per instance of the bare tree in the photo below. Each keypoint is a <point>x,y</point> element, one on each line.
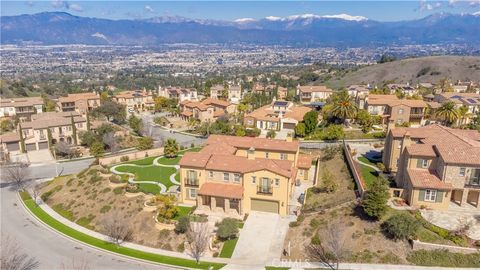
<point>16,174</point>
<point>35,191</point>
<point>117,228</point>
<point>112,142</point>
<point>198,236</point>
<point>331,249</point>
<point>76,265</point>
<point>13,258</point>
<point>65,149</point>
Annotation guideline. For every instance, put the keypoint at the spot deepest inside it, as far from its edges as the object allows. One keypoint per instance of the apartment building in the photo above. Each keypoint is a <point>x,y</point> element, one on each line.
<point>400,111</point>
<point>181,94</point>
<point>239,174</point>
<point>79,102</point>
<point>36,132</point>
<point>435,165</point>
<point>309,94</point>
<point>279,115</point>
<point>135,100</point>
<point>469,100</point>
<point>23,107</point>
<point>208,110</point>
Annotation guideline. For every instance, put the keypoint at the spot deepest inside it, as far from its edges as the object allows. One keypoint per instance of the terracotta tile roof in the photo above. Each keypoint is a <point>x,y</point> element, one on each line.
<point>424,150</point>
<point>196,160</point>
<point>217,102</point>
<point>268,113</point>
<point>433,104</point>
<point>218,113</point>
<point>53,119</point>
<point>78,96</point>
<point>426,179</point>
<point>220,148</point>
<point>257,143</point>
<point>187,113</point>
<point>304,161</point>
<point>20,102</point>
<point>221,190</point>
<point>393,100</point>
<point>53,115</point>
<point>132,94</point>
<point>9,137</point>
<point>314,88</point>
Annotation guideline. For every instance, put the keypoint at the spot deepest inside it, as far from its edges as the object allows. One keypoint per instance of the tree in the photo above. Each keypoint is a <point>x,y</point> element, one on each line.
<point>374,201</point>
<point>74,130</point>
<point>17,174</point>
<point>160,103</point>
<point>145,143</point>
<point>167,208</point>
<point>448,113</point>
<point>300,130</point>
<point>23,149</point>
<point>110,140</point>
<point>343,106</point>
<point>97,149</point>
<point>13,258</point>
<point>104,129</point>
<point>50,105</point>
<point>6,125</point>
<point>183,224</point>
<point>171,148</point>
<point>112,111</point>
<point>400,226</point>
<point>198,236</point>
<point>311,121</point>
<point>35,192</point>
<point>462,113</point>
<point>65,150</point>
<point>271,134</point>
<point>386,58</point>
<point>88,121</point>
<point>365,119</point>
<point>116,227</point>
<point>227,229</point>
<point>328,181</point>
<point>240,131</point>
<point>87,138</point>
<point>135,123</point>
<point>331,249</point>
<point>332,132</point>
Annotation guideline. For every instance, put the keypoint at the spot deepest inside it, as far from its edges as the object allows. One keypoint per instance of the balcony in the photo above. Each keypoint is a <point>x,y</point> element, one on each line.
<point>191,182</point>
<point>265,190</point>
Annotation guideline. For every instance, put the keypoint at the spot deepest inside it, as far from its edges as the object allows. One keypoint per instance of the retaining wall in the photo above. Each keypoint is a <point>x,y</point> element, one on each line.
<point>131,156</point>
<point>417,245</point>
<point>355,169</point>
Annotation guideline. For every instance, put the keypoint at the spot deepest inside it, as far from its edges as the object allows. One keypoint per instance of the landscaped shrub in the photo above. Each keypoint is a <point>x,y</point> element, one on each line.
<point>374,202</point>
<point>227,229</point>
<point>315,240</point>
<point>114,178</point>
<point>181,247</point>
<point>124,158</point>
<point>182,225</point>
<point>167,209</point>
<point>132,188</point>
<point>443,258</point>
<point>400,226</point>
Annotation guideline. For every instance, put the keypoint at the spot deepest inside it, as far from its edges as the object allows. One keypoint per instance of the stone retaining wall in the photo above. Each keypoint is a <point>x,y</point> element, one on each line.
<point>355,169</point>
<point>418,245</point>
<point>131,156</point>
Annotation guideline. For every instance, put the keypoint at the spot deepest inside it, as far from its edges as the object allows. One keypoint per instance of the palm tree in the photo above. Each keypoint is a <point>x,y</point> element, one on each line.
<point>448,113</point>
<point>343,106</point>
<point>463,113</point>
<point>171,148</point>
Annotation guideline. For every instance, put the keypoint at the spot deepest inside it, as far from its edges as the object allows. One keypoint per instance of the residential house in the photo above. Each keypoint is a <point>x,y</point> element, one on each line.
<point>261,89</point>
<point>79,102</point>
<point>400,111</point>
<point>135,100</point>
<point>435,165</point>
<point>405,89</point>
<point>279,115</point>
<point>36,133</point>
<point>208,110</point>
<point>217,91</point>
<point>359,93</point>
<point>241,174</point>
<point>23,107</point>
<point>282,93</point>
<point>469,100</point>
<point>234,94</point>
<point>309,94</point>
<point>181,94</point>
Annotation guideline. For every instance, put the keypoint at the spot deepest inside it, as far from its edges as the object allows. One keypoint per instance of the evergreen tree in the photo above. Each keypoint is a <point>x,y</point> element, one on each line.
<point>74,130</point>
<point>374,201</point>
<point>22,139</point>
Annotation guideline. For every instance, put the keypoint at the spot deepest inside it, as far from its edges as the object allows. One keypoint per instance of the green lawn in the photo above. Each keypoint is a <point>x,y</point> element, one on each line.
<point>149,188</point>
<point>184,211</point>
<point>60,227</point>
<point>151,173</point>
<point>228,248</point>
<point>369,174</point>
<point>365,160</point>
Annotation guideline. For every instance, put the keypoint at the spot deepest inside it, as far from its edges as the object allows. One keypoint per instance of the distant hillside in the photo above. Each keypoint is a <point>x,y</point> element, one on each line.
<point>423,69</point>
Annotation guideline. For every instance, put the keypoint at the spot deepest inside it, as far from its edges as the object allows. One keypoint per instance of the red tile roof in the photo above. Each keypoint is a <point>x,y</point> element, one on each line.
<point>304,161</point>
<point>427,179</point>
<point>257,143</point>
<point>221,190</point>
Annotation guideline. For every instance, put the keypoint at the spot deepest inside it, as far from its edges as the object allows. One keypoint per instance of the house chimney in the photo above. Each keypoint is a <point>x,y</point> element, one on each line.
<point>390,126</point>
<point>251,153</point>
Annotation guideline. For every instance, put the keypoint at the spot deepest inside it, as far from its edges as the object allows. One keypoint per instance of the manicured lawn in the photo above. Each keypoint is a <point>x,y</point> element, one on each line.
<point>184,211</point>
<point>228,248</point>
<point>364,159</point>
<point>369,174</point>
<point>151,173</point>
<point>149,188</point>
<point>53,223</point>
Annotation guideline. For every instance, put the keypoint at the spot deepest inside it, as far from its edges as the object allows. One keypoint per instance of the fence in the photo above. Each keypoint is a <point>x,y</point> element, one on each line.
<point>355,169</point>
<point>417,245</point>
<point>131,156</point>
<point>318,144</point>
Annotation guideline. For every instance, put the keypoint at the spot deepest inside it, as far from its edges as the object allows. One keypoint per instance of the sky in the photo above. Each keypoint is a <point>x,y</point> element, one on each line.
<point>385,10</point>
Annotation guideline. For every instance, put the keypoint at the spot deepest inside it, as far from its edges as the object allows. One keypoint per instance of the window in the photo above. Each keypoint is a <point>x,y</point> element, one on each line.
<point>210,174</point>
<point>424,163</point>
<point>236,177</point>
<point>266,154</point>
<point>400,111</point>
<point>277,182</point>
<point>80,125</point>
<point>193,193</point>
<point>430,195</point>
<point>283,156</point>
<point>462,172</point>
<point>254,180</point>
<point>300,172</point>
<point>226,177</point>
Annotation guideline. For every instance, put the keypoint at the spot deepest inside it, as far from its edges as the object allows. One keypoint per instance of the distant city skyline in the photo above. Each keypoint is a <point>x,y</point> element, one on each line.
<point>233,10</point>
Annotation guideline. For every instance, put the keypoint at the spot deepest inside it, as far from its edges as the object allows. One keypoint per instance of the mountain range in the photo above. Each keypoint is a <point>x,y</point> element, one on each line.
<point>297,30</point>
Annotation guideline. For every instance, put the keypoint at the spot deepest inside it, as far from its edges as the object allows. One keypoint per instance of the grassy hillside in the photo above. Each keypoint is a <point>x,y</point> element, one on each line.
<point>423,69</point>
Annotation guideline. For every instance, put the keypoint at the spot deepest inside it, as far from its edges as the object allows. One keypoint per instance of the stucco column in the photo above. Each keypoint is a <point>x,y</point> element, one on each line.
<point>213,203</point>
<point>464,197</point>
<point>199,200</point>
<point>227,205</point>
<point>478,200</point>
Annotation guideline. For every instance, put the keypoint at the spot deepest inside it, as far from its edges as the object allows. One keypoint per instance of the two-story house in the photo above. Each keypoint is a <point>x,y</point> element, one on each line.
<point>309,94</point>
<point>405,89</point>
<point>435,165</point>
<point>470,100</point>
<point>217,91</point>
<point>135,100</point>
<point>23,107</point>
<point>400,111</point>
<point>279,115</point>
<point>239,174</point>
<point>181,94</point>
<point>207,110</point>
<point>81,103</point>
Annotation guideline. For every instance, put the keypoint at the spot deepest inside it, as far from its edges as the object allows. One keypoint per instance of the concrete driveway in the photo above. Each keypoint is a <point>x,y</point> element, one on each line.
<point>261,239</point>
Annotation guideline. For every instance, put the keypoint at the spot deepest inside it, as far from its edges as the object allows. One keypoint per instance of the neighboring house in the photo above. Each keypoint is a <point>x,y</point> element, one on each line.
<point>358,90</point>
<point>234,94</point>
<point>267,90</point>
<point>23,107</point>
<point>79,102</point>
<point>208,110</point>
<point>400,111</point>
<point>279,115</point>
<point>435,165</point>
<point>309,94</point>
<point>460,88</point>
<point>216,91</point>
<point>135,100</point>
<point>405,89</point>
<point>282,93</point>
<point>35,133</point>
<point>241,174</point>
<point>470,100</point>
<point>181,94</point>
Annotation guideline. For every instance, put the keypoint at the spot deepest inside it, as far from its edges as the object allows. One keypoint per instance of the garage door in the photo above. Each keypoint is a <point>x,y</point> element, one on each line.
<point>31,147</point>
<point>289,125</point>
<point>265,206</point>
<point>43,145</point>
<point>13,146</point>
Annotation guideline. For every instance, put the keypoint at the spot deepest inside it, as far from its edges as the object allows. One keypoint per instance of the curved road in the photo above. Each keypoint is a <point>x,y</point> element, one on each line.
<point>51,249</point>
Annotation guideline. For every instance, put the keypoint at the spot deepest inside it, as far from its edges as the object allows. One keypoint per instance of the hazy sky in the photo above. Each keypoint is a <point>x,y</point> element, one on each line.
<point>230,10</point>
